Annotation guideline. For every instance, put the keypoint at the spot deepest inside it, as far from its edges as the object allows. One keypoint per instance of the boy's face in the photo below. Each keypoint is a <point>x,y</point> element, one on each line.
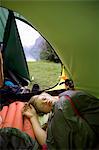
<point>44,104</point>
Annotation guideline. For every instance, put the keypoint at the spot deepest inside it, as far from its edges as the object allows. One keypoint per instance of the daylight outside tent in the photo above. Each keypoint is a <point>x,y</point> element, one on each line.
<point>44,64</point>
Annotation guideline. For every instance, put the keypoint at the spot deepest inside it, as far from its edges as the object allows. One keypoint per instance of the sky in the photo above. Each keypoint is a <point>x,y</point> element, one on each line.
<point>27,33</point>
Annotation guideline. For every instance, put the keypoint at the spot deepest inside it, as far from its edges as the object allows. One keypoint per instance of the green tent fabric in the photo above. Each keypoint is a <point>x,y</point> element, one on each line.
<point>72,28</point>
<point>13,54</point>
<point>69,130</point>
<point>3,20</point>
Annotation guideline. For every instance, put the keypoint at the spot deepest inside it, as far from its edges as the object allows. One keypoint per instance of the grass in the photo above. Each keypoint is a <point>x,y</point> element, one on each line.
<point>46,74</point>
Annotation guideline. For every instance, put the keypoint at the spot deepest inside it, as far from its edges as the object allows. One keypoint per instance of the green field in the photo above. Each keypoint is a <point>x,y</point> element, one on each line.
<point>46,74</point>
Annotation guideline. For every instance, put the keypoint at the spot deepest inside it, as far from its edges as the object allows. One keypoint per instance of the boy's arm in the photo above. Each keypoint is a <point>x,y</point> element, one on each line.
<point>40,134</point>
<point>30,112</point>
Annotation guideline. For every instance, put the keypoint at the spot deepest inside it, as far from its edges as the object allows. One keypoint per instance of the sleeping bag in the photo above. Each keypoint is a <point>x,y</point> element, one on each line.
<point>74,124</point>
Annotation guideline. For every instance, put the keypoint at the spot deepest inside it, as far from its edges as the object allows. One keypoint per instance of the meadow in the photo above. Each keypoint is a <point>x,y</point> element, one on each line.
<point>44,73</point>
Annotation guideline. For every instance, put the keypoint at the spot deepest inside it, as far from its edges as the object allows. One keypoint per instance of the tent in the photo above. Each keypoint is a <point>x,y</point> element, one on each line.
<point>15,65</point>
<point>12,47</point>
<point>72,29</point>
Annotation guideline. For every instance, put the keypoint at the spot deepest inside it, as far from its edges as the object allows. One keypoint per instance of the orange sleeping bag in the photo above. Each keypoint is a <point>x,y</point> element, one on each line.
<point>12,117</point>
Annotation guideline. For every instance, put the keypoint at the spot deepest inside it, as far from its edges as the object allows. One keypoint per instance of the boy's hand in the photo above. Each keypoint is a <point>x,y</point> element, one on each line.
<point>29,111</point>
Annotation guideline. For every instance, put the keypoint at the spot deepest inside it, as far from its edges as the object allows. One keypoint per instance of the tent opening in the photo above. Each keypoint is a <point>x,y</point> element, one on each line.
<point>43,63</point>
<point>27,45</point>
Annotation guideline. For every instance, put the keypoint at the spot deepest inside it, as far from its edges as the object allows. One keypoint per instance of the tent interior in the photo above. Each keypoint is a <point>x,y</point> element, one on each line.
<point>72,30</point>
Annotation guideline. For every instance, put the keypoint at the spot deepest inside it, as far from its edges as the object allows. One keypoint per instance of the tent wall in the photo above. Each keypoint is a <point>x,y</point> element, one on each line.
<point>15,65</point>
<point>3,20</point>
<point>72,28</point>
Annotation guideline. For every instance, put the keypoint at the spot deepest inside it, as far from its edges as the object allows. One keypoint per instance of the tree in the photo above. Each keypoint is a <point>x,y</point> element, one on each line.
<point>49,54</point>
